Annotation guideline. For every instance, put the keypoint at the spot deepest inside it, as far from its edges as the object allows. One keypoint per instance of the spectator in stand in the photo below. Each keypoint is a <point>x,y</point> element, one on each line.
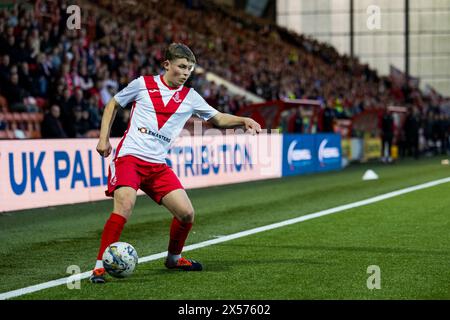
<point>66,111</point>
<point>43,73</point>
<point>55,58</point>
<point>328,117</point>
<point>442,136</point>
<point>95,91</point>
<point>387,135</point>
<point>51,126</point>
<point>446,128</point>
<point>88,122</point>
<point>78,100</point>
<point>411,130</point>
<point>267,60</point>
<point>94,112</point>
<point>57,94</point>
<point>86,82</point>
<point>12,49</point>
<point>295,122</point>
<point>5,72</point>
<point>439,134</point>
<point>80,122</point>
<point>26,80</point>
<point>15,94</point>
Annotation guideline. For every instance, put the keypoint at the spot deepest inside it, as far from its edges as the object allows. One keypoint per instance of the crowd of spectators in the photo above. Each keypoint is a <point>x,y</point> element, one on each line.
<point>78,71</point>
<point>72,74</point>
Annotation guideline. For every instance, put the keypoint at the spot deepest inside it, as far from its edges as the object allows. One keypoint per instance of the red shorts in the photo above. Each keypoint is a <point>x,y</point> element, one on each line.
<point>155,179</point>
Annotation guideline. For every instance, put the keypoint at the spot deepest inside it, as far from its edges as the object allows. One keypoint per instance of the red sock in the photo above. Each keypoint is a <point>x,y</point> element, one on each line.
<point>111,232</point>
<point>178,234</point>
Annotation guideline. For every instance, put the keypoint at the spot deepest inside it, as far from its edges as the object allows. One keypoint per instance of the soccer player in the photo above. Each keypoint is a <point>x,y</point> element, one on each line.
<point>161,107</point>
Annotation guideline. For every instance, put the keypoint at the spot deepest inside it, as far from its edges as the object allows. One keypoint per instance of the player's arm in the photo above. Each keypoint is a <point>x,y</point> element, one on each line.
<point>225,120</point>
<point>109,114</point>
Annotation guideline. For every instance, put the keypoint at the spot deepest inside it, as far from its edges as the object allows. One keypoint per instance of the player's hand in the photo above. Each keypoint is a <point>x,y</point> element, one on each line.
<point>104,148</point>
<point>252,126</point>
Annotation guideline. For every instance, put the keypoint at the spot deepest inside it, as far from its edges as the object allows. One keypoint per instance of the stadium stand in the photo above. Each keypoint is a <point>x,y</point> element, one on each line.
<point>118,41</point>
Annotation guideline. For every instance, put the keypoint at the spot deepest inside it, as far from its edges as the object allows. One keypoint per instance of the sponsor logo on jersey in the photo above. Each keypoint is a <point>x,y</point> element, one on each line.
<point>154,134</point>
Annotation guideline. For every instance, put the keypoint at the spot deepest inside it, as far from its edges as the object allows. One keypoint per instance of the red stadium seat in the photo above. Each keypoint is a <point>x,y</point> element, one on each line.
<point>27,124</point>
<point>8,116</point>
<point>26,116</point>
<point>17,116</point>
<point>9,120</point>
<point>40,116</point>
<point>36,119</point>
<point>10,134</point>
<point>36,134</point>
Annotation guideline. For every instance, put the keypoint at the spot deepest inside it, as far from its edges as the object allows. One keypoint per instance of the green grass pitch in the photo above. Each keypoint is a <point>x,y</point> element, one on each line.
<point>407,237</point>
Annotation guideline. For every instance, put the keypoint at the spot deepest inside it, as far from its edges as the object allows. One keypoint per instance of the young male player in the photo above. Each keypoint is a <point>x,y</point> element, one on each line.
<point>161,107</point>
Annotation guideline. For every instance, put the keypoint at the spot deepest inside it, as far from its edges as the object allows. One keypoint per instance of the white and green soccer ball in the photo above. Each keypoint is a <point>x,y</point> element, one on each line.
<point>120,259</point>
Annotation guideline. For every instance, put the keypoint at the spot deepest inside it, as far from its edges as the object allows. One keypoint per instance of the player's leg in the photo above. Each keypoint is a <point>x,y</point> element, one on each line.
<point>383,148</point>
<point>389,148</point>
<point>179,204</point>
<point>164,187</point>
<point>124,200</point>
<point>123,181</point>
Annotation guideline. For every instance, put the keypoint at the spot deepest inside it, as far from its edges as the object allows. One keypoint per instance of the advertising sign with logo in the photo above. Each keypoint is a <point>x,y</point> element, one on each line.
<point>298,154</point>
<point>61,171</point>
<point>309,153</point>
<point>329,152</point>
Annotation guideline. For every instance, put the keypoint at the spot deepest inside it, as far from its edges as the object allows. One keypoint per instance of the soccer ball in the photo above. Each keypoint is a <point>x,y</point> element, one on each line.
<point>120,259</point>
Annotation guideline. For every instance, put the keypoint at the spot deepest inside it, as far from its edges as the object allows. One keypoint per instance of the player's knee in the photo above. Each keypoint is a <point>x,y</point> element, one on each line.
<point>124,205</point>
<point>127,206</point>
<point>186,215</point>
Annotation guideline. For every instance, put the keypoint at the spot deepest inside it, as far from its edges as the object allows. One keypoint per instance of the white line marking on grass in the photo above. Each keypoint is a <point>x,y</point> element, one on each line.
<point>84,275</point>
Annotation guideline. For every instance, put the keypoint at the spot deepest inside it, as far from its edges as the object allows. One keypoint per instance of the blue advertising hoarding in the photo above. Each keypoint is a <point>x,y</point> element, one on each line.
<point>309,153</point>
<point>329,152</point>
<point>298,154</point>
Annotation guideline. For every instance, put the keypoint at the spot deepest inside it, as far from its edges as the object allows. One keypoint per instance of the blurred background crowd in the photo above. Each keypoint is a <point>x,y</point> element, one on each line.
<point>67,76</point>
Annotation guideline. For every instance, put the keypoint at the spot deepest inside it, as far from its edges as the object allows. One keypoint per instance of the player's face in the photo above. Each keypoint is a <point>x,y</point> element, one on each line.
<point>178,71</point>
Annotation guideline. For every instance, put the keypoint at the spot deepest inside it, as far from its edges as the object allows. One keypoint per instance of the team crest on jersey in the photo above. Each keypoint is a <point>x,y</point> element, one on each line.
<point>176,97</point>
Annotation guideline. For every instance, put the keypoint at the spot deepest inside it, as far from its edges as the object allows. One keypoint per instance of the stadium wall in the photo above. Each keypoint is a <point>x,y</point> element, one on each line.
<point>42,173</point>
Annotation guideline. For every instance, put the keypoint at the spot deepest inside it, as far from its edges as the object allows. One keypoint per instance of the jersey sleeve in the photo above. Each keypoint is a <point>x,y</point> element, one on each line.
<point>201,108</point>
<point>129,93</point>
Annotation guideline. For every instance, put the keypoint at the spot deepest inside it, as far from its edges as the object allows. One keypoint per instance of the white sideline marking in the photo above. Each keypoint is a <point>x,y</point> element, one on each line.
<point>84,275</point>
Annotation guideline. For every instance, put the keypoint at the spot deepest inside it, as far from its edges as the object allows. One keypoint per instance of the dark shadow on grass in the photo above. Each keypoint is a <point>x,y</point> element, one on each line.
<point>264,261</point>
<point>146,273</point>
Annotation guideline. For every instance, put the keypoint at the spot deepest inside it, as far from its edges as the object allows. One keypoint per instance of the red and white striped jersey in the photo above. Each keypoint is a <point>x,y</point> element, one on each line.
<point>158,115</point>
